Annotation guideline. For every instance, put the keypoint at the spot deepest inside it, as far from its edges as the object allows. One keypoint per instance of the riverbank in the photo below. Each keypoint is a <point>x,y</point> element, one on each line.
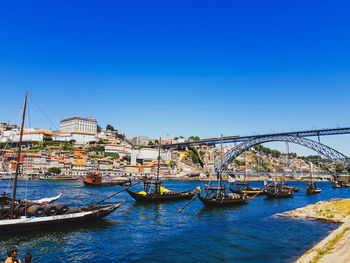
<point>336,246</point>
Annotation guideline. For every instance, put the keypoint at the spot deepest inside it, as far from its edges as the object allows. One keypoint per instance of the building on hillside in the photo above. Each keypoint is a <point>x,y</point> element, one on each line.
<point>122,149</point>
<point>79,124</point>
<point>29,135</point>
<point>7,127</point>
<point>80,137</point>
<point>140,140</point>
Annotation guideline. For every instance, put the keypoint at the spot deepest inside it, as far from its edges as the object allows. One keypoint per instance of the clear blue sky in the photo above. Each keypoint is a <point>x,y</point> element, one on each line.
<point>179,67</point>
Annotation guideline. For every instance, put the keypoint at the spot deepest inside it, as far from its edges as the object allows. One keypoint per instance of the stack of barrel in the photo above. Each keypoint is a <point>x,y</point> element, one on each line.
<point>38,210</point>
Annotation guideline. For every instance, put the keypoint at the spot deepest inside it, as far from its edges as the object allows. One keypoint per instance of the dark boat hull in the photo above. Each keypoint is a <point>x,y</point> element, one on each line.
<point>120,183</point>
<point>313,191</point>
<point>81,216</point>
<point>222,202</point>
<point>172,196</point>
<point>278,195</point>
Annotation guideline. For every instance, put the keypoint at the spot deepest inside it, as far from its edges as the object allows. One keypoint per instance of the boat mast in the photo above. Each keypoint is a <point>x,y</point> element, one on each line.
<point>220,175</point>
<point>160,142</point>
<point>18,157</point>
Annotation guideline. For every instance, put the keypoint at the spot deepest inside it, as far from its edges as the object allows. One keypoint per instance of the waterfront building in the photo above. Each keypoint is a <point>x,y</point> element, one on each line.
<point>79,124</point>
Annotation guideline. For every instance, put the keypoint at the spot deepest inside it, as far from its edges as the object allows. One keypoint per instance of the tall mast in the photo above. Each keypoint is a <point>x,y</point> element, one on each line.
<point>220,175</point>
<point>160,142</point>
<point>18,157</point>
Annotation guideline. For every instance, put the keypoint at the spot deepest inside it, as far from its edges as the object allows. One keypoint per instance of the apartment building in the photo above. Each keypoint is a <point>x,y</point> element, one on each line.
<point>79,124</point>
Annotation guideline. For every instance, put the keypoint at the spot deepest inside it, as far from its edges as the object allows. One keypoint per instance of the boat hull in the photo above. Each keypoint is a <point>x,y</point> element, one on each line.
<point>278,195</point>
<point>222,202</point>
<point>58,179</point>
<point>172,196</point>
<point>80,217</point>
<point>120,183</point>
<point>313,191</point>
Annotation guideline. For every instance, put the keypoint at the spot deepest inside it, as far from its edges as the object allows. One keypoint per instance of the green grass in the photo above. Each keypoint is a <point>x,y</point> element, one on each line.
<point>329,246</point>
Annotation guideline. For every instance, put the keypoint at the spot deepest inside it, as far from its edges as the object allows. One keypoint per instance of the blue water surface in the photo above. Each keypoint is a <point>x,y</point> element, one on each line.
<point>156,233</point>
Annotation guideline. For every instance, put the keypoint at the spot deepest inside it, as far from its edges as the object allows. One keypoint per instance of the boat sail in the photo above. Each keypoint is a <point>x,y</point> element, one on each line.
<point>21,215</point>
<point>153,191</point>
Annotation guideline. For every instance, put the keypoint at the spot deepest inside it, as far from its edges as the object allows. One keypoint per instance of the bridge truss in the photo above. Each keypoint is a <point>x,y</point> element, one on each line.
<point>322,149</point>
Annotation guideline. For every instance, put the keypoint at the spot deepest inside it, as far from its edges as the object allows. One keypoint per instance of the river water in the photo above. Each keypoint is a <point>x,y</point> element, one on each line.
<point>156,233</point>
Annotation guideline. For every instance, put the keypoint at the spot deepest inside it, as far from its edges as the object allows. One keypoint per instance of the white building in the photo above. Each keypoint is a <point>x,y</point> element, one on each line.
<point>79,124</point>
<point>78,136</point>
<point>29,135</point>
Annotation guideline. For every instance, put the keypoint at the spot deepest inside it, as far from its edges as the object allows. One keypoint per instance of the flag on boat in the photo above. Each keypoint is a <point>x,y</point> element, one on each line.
<point>230,179</point>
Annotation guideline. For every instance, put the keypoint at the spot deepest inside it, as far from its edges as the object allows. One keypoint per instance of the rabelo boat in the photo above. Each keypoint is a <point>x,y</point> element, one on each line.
<point>153,191</point>
<point>21,215</point>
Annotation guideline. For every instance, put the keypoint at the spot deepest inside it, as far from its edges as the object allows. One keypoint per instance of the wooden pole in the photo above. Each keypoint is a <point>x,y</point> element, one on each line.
<point>260,191</point>
<point>158,168</point>
<point>194,197</point>
<point>90,206</point>
<point>18,157</point>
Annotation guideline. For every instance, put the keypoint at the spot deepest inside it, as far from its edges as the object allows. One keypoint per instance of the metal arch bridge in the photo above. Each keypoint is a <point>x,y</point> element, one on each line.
<point>236,139</point>
<point>322,149</point>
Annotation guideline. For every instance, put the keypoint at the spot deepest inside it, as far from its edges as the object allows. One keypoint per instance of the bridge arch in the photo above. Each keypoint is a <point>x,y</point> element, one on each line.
<point>322,149</point>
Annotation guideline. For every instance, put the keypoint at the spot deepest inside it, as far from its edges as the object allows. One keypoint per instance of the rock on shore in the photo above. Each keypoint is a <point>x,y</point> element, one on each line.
<point>333,210</point>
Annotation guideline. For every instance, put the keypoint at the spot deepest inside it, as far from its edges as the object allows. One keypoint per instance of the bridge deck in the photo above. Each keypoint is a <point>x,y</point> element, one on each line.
<point>236,138</point>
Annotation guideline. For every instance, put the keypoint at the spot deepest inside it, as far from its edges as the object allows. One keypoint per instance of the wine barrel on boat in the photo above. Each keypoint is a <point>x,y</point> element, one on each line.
<point>35,210</point>
<point>50,210</point>
<point>19,210</point>
<point>61,209</point>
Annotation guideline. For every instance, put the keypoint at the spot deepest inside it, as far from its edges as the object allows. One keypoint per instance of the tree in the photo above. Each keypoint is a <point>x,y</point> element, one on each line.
<point>99,129</point>
<point>113,155</point>
<point>339,167</point>
<point>47,139</point>
<point>347,168</point>
<point>195,158</point>
<point>54,170</point>
<point>109,128</point>
<point>171,164</point>
<point>72,141</point>
<point>67,147</point>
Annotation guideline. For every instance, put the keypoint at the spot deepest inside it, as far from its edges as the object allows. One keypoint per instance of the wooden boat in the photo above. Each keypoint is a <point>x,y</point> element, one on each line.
<point>335,185</point>
<point>312,188</point>
<point>39,221</point>
<point>343,183</point>
<point>279,191</point>
<point>296,189</point>
<point>246,189</point>
<point>50,177</point>
<point>217,197</point>
<point>21,215</point>
<point>154,192</point>
<point>96,179</point>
